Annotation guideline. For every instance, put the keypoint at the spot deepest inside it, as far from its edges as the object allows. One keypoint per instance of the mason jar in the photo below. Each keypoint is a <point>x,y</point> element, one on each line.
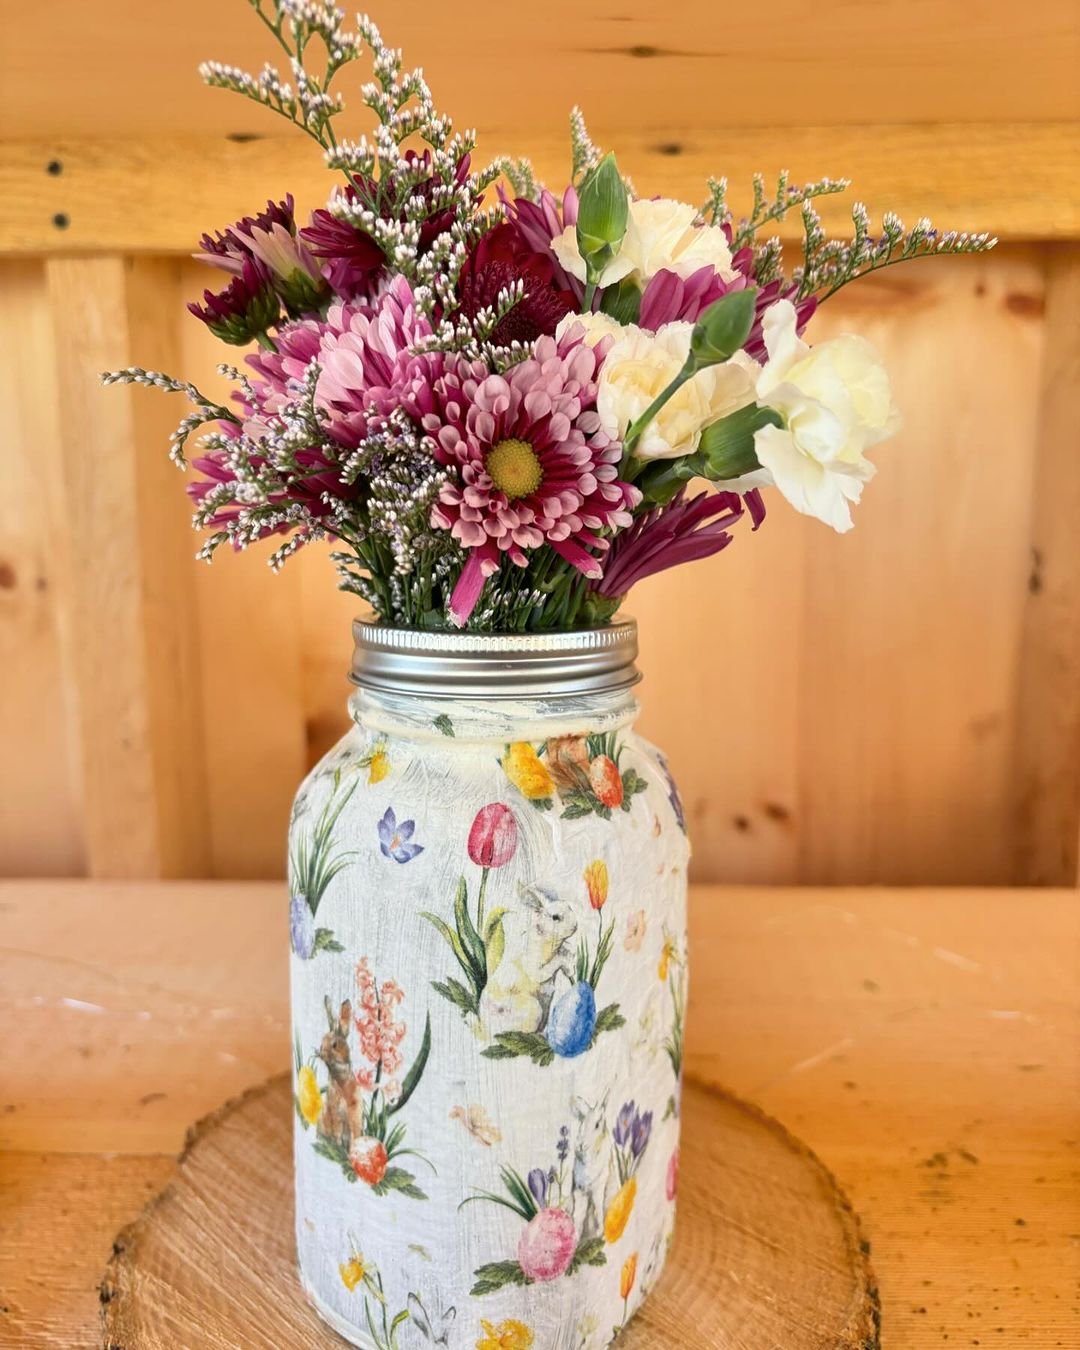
<point>489,969</point>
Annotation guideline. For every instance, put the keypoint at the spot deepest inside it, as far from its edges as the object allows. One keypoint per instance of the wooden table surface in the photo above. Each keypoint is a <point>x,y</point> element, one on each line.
<point>923,1042</point>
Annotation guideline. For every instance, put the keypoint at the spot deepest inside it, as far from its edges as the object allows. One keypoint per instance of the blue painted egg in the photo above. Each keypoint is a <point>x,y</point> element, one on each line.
<point>572,1021</point>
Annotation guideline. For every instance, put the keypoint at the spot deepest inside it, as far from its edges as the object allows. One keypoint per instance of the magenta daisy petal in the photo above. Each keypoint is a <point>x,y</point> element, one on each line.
<point>534,466</point>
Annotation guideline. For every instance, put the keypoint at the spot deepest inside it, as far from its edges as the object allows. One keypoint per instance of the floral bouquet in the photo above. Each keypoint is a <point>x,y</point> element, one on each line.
<point>492,397</point>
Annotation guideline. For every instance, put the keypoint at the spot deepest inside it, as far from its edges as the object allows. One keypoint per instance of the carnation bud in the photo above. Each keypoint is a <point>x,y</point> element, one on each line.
<point>603,210</point>
<point>723,328</point>
<point>726,448</point>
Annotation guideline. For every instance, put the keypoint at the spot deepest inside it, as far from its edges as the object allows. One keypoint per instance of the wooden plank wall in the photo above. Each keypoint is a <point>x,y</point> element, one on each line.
<point>898,705</point>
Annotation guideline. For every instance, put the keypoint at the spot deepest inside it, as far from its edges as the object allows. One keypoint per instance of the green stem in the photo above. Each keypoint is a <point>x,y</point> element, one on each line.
<point>637,428</point>
<point>590,294</point>
<point>480,903</point>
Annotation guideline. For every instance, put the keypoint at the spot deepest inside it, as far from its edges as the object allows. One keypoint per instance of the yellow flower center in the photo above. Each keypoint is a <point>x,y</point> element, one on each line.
<point>514,468</point>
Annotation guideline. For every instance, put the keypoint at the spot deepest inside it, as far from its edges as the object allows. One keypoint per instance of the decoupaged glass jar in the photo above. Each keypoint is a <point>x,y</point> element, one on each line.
<point>488,930</point>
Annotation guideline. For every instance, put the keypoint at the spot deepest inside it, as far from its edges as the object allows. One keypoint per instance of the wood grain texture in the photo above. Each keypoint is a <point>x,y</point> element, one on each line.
<point>131,195</point>
<point>637,64</point>
<point>767,1250</point>
<point>896,705</point>
<point>1047,744</point>
<point>923,1042</point>
<point>127,618</point>
<point>41,818</point>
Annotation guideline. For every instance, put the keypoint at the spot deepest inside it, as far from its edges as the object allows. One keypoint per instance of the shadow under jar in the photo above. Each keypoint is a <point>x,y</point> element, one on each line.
<point>488,930</point>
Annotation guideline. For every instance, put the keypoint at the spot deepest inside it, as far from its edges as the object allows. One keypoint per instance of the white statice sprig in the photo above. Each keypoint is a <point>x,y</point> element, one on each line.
<point>766,209</point>
<point>206,410</point>
<point>830,264</point>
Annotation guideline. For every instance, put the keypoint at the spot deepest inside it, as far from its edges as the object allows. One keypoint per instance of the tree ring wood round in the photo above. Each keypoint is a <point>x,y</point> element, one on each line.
<point>767,1255</point>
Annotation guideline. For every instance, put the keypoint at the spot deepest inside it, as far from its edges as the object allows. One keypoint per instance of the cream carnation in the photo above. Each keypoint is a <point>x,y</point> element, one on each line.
<point>836,402</point>
<point>638,368</point>
<point>660,235</point>
<point>595,327</point>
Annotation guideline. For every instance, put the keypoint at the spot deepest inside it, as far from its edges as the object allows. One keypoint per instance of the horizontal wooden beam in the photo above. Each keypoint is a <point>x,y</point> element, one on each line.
<point>132,195</point>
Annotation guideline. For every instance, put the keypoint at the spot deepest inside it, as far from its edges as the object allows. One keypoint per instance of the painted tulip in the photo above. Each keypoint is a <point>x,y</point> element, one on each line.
<point>572,1021</point>
<point>596,883</point>
<point>671,1182</point>
<point>619,1211</point>
<point>527,771</point>
<point>308,1096</point>
<point>627,1275</point>
<point>605,781</point>
<point>379,766</point>
<point>494,836</point>
<point>368,1159</point>
<point>547,1244</point>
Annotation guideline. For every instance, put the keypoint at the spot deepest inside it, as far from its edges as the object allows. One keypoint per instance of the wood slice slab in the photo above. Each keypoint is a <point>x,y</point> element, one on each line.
<point>767,1255</point>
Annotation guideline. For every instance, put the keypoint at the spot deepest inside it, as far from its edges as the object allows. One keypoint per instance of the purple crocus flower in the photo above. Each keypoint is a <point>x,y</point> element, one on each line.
<point>624,1124</point>
<point>395,840</point>
<point>682,531</point>
<point>640,1136</point>
<point>538,1186</point>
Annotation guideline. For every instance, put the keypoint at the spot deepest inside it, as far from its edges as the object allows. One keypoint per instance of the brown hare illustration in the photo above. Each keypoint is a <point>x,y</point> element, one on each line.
<point>342,1115</point>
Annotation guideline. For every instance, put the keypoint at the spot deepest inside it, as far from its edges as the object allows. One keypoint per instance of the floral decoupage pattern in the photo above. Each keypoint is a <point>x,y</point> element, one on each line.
<point>353,1114</point>
<point>495,1034</point>
<point>581,775</point>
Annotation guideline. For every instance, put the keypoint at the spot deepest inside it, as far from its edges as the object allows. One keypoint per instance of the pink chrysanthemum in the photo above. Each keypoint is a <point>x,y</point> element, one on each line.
<point>364,351</point>
<point>534,465</point>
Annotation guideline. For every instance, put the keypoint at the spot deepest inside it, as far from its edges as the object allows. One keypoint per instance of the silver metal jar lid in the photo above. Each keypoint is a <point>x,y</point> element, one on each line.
<point>494,665</point>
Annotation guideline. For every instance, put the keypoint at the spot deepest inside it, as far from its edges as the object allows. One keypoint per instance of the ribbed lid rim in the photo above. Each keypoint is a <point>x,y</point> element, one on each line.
<point>447,664</point>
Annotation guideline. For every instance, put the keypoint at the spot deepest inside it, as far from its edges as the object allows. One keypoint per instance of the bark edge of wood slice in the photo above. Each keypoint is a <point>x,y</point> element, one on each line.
<point>768,1251</point>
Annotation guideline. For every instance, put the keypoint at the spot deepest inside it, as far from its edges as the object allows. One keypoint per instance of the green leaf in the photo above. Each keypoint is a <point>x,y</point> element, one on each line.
<point>442,723</point>
<point>470,938</point>
<point>608,1019</point>
<point>326,942</point>
<point>456,993</point>
<point>622,302</point>
<point>590,1252</point>
<point>603,211</point>
<point>511,1044</point>
<point>723,328</point>
<point>412,1078</point>
<point>397,1179</point>
<point>464,959</point>
<point>495,944</point>
<point>726,449</point>
<point>496,1275</point>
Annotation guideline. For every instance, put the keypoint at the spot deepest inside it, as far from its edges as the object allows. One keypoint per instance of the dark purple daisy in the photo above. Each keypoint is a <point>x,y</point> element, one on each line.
<point>682,531</point>
<point>245,309</point>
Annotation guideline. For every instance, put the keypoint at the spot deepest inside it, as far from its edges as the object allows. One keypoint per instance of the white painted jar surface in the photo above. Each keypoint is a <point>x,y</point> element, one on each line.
<point>489,975</point>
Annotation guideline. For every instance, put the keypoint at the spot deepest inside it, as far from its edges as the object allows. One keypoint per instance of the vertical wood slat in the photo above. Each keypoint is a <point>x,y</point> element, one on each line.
<point>40,793</point>
<point>252,657</point>
<point>1047,788</point>
<point>129,628</point>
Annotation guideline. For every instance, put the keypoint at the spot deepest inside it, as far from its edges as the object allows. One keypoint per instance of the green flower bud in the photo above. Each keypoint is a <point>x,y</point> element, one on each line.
<point>723,328</point>
<point>603,210</point>
<point>726,448</point>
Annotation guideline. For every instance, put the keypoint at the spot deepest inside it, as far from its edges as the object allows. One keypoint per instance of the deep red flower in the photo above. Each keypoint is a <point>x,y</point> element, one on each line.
<point>500,258</point>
